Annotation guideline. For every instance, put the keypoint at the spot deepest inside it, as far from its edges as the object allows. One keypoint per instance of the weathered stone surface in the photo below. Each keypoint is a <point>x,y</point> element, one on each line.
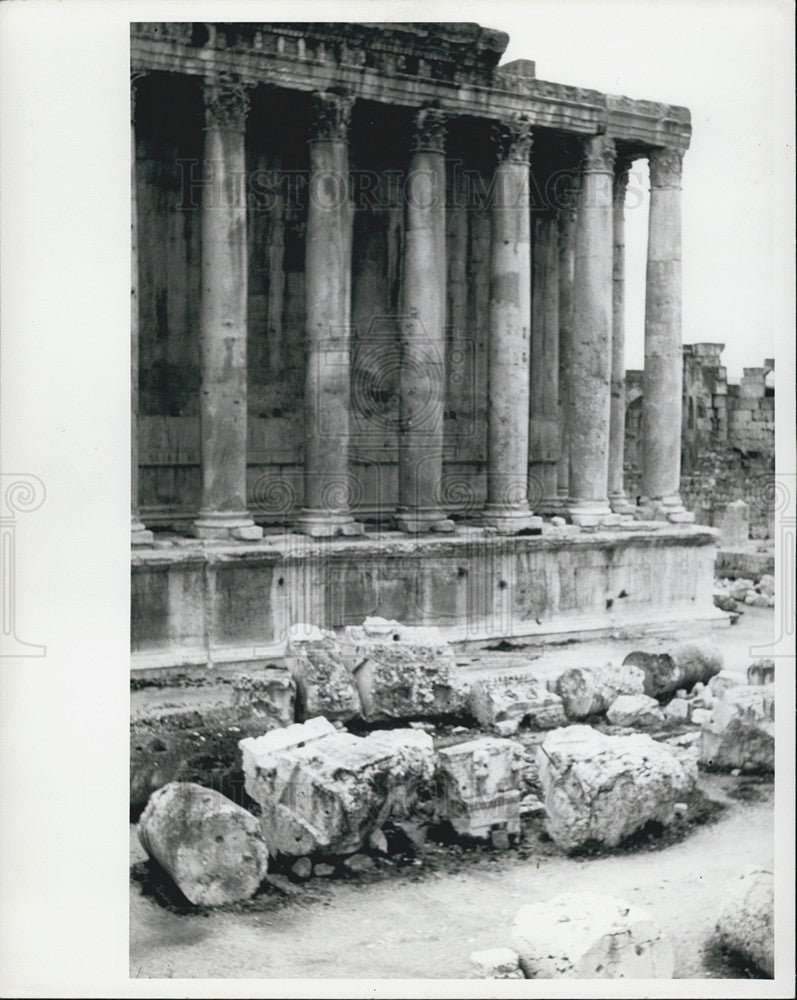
<point>407,681</point>
<point>515,699</point>
<point>495,963</point>
<point>211,847</point>
<point>740,730</point>
<point>478,785</point>
<point>739,588</point>
<point>683,666</point>
<point>589,936</point>
<point>635,710</point>
<point>302,870</point>
<point>325,685</point>
<point>677,710</point>
<point>734,525</point>
<point>746,922</point>
<point>766,585</point>
<point>725,603</point>
<point>269,694</point>
<point>324,791</point>
<point>761,672</point>
<point>723,682</point>
<point>602,788</point>
<point>589,691</point>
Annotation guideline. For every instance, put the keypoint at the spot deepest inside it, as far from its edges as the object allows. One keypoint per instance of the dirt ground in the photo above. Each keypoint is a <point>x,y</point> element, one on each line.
<point>422,917</point>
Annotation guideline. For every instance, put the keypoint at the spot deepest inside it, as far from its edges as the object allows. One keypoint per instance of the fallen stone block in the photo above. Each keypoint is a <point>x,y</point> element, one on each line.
<point>739,588</point>
<point>725,603</point>
<point>677,710</point>
<point>600,788</point>
<point>478,786</point>
<point>766,585</point>
<point>722,682</point>
<point>746,922</point>
<point>580,935</point>
<point>761,672</point>
<point>495,963</point>
<point>515,699</point>
<point>740,730</point>
<point>754,600</point>
<point>211,847</point>
<point>698,715</point>
<point>408,681</point>
<point>324,683</point>
<point>324,791</point>
<point>269,694</point>
<point>589,691</point>
<point>635,710</point>
<point>682,667</point>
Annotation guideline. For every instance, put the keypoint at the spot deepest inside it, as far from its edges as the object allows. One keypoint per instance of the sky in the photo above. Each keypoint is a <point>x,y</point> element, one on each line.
<point>729,63</point>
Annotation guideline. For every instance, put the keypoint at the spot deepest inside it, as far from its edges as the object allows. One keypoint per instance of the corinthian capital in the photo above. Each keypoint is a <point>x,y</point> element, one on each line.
<point>513,139</point>
<point>598,155</point>
<point>429,132</point>
<point>331,117</point>
<point>226,104</point>
<point>665,168</point>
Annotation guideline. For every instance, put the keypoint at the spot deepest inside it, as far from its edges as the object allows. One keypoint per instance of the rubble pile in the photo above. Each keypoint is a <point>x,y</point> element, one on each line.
<point>732,595</point>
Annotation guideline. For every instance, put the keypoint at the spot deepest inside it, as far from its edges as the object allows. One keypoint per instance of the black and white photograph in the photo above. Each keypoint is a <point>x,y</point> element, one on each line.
<point>398,499</point>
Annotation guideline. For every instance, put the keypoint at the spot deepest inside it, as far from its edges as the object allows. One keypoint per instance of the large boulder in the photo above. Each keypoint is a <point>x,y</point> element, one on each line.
<point>746,922</point>
<point>211,847</point>
<point>635,710</point>
<point>683,666</point>
<point>478,785</point>
<point>325,684</point>
<point>581,935</point>
<point>587,691</point>
<point>739,731</point>
<point>601,788</point>
<point>407,680</point>
<point>514,700</point>
<point>324,791</point>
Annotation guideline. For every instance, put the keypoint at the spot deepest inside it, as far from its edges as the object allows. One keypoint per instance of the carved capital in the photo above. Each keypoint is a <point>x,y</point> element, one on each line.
<point>622,166</point>
<point>665,168</point>
<point>226,104</point>
<point>598,155</point>
<point>429,131</point>
<point>513,140</point>
<point>331,117</point>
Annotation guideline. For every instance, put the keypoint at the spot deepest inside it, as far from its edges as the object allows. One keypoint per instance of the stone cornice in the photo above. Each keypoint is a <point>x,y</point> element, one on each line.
<point>468,84</point>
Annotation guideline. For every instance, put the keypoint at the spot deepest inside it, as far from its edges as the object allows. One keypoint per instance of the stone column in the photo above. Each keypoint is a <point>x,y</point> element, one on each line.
<point>422,369</point>
<point>330,213</point>
<point>661,402</point>
<point>507,507</point>
<point>588,503</point>
<point>139,535</point>
<point>617,498</point>
<point>223,400</point>
<point>567,258</point>
<point>544,407</point>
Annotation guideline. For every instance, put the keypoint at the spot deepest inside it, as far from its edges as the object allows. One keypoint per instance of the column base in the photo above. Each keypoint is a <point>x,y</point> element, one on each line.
<point>620,504</point>
<point>225,526</point>
<point>139,534</point>
<point>551,506</point>
<point>508,520</point>
<point>592,513</point>
<point>669,508</point>
<point>415,522</point>
<point>327,524</point>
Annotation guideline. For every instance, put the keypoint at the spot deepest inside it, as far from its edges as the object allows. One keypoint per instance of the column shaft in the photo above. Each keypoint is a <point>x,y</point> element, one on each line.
<point>592,326</point>
<point>422,368</point>
<point>617,497</point>
<point>328,485</point>
<point>223,400</point>
<point>662,386</point>
<point>567,258</point>
<point>544,422</point>
<point>139,535</point>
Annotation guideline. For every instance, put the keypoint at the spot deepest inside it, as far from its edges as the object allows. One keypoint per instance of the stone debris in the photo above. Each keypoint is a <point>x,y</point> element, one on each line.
<point>697,716</point>
<point>323,870</point>
<point>269,694</point>
<point>325,684</point>
<point>587,691</point>
<point>746,922</point>
<point>407,680</point>
<point>478,786</point>
<point>602,788</point>
<point>359,864</point>
<point>511,700</point>
<point>766,585</point>
<point>495,963</point>
<point>635,710</point>
<point>761,672</point>
<point>211,847</point>
<point>683,666</point>
<point>581,935</point>
<point>302,870</point>
<point>324,791</point>
<point>677,710</point>
<point>740,730</point>
<point>721,683</point>
<point>738,588</point>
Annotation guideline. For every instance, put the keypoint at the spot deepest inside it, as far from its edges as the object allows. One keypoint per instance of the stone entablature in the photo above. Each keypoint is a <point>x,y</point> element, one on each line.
<point>404,64</point>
